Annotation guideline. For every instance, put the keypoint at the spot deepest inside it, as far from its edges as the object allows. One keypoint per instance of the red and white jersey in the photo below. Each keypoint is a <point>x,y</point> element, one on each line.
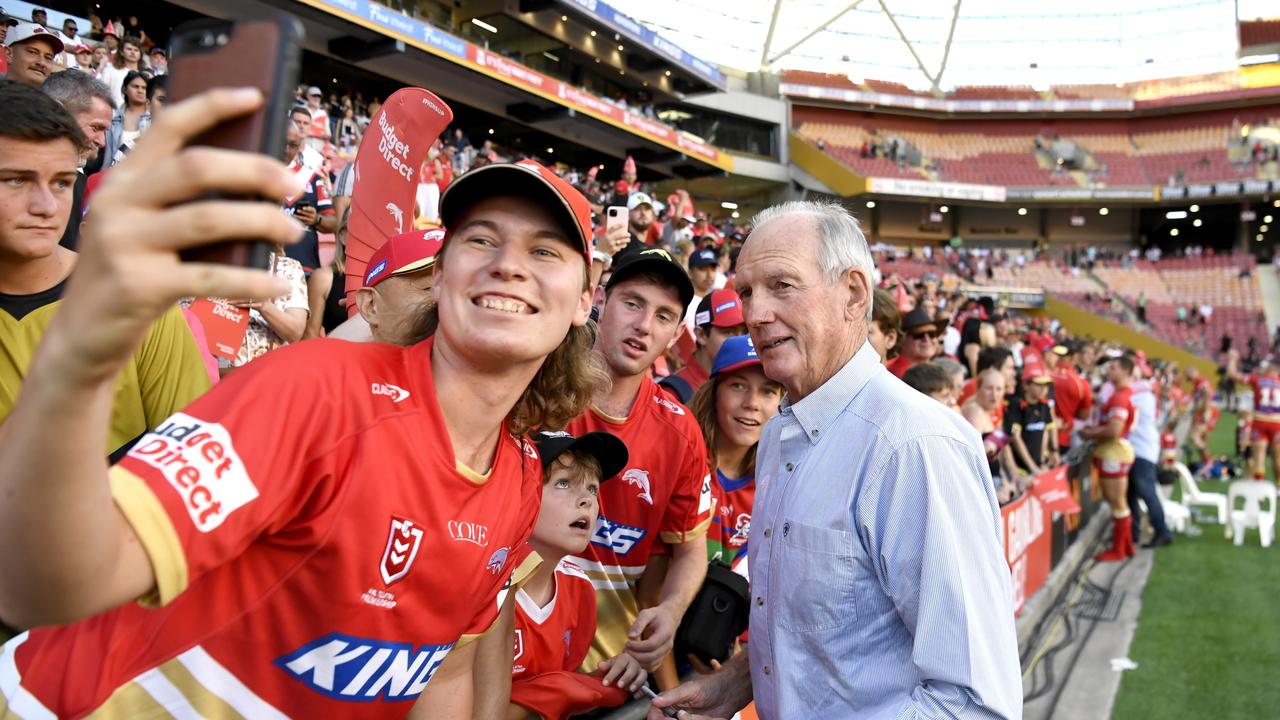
<point>1266,397</point>
<point>557,636</point>
<point>318,550</point>
<point>1120,405</point>
<point>663,496</point>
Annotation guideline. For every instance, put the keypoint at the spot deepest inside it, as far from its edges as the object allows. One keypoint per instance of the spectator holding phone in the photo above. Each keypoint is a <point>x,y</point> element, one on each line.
<point>310,206</point>
<point>295,475</point>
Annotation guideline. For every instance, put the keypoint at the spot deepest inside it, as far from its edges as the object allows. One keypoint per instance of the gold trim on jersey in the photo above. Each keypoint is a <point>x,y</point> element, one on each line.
<point>142,509</point>
<point>472,475</point>
<point>680,538</point>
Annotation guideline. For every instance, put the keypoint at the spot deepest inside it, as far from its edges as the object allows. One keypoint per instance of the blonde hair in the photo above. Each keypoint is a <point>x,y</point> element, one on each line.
<point>561,389</point>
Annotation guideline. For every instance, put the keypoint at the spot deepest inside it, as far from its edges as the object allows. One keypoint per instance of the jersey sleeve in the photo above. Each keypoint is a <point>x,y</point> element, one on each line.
<point>688,513</point>
<point>240,462</point>
<point>171,371</point>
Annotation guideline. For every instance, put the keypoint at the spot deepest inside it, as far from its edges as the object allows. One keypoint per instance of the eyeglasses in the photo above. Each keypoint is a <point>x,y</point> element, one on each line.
<point>923,336</point>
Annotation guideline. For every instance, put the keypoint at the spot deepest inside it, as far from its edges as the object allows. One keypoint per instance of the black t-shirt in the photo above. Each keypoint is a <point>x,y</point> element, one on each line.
<point>1031,421</point>
<point>335,314</point>
<point>19,306</point>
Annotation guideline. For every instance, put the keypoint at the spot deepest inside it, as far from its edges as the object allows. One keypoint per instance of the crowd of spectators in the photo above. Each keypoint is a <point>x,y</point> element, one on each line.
<point>668,330</point>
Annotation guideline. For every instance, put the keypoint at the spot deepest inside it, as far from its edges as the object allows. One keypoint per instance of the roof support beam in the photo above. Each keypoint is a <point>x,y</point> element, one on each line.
<point>768,39</point>
<point>903,37</point>
<point>816,30</point>
<point>946,50</point>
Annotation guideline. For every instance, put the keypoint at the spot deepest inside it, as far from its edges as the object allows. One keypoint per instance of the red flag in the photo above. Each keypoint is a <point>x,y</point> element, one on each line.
<point>387,164</point>
<point>1052,490</point>
<point>560,693</point>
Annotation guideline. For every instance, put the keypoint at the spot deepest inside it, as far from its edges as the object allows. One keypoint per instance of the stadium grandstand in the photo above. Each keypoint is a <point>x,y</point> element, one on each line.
<point>1068,205</point>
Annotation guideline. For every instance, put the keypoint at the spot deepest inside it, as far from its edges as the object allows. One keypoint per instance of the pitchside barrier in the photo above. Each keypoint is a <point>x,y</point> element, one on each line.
<point>1040,530</point>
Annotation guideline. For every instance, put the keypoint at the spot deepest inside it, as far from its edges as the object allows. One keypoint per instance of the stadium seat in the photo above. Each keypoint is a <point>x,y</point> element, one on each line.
<point>1192,495</point>
<point>1255,494</point>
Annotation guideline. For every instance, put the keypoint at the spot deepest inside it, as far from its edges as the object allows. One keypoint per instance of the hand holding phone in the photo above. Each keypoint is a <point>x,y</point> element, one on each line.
<point>616,229</point>
<point>259,53</point>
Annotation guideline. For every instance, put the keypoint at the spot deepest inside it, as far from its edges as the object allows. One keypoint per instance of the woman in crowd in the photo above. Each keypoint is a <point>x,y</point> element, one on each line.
<point>125,60</point>
<point>732,408</point>
<point>981,412</point>
<point>329,286</point>
<point>130,119</point>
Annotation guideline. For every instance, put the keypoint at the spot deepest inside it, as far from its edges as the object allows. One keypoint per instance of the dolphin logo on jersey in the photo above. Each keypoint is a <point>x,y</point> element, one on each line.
<point>398,214</point>
<point>497,560</point>
<point>639,478</point>
<point>402,548</point>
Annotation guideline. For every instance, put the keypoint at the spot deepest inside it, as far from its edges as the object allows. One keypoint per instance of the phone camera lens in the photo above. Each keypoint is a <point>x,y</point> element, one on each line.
<point>222,39</point>
<point>206,40</point>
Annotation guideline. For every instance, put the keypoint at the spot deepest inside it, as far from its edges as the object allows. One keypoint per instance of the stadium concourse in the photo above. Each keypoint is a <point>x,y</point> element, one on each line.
<point>1076,249</point>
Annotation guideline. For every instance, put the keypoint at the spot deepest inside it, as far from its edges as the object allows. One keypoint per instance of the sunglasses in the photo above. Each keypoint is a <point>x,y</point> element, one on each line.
<point>922,336</point>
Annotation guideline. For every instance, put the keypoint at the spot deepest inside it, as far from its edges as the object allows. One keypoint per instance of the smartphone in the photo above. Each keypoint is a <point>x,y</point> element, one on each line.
<point>265,53</point>
<point>616,216</point>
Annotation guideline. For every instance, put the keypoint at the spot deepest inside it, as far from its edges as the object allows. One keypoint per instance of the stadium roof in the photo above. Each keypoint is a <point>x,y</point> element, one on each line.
<point>941,44</point>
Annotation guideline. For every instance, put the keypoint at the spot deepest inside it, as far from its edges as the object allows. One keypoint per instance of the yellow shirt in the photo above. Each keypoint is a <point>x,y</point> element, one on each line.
<point>164,375</point>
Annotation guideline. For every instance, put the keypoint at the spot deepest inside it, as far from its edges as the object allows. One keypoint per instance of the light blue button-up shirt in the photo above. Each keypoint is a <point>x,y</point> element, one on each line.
<point>878,583</point>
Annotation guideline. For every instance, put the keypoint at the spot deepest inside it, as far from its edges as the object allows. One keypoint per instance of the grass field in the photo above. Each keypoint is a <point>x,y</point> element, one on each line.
<point>1208,640</point>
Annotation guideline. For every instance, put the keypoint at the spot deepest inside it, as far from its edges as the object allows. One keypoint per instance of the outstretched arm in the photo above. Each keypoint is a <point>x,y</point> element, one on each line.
<point>75,554</point>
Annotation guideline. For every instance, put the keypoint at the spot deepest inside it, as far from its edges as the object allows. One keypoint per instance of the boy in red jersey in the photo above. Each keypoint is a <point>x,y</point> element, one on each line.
<point>664,495</point>
<point>556,608</point>
<point>324,534</point>
<point>1113,456</point>
<point>1264,433</point>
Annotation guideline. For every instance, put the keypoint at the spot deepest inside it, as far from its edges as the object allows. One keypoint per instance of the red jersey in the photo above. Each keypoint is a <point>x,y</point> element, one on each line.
<point>899,366</point>
<point>1120,405</point>
<point>1266,397</point>
<point>555,637</point>
<point>318,551</point>
<point>663,495</point>
<point>1072,397</point>
<point>727,538</point>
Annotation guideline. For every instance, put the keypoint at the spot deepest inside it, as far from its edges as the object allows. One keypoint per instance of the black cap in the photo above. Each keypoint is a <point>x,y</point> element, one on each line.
<point>918,317</point>
<point>633,261</point>
<point>703,258</point>
<point>607,449</point>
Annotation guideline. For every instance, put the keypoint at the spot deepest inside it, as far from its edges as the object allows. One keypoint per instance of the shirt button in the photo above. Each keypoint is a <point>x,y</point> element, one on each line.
<point>766,669</point>
<point>768,532</point>
<point>760,601</point>
<point>815,433</point>
<point>790,467</point>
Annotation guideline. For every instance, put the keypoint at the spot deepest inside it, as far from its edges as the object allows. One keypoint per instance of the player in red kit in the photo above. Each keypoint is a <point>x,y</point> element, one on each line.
<point>556,608</point>
<point>1113,456</point>
<point>663,497</point>
<point>327,532</point>
<point>1264,435</point>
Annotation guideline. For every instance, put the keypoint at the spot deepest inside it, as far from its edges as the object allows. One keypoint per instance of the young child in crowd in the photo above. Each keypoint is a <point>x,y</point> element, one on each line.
<point>555,616</point>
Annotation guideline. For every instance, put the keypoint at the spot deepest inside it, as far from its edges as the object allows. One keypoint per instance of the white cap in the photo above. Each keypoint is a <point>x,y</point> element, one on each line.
<point>25,31</point>
<point>313,90</point>
<point>637,199</point>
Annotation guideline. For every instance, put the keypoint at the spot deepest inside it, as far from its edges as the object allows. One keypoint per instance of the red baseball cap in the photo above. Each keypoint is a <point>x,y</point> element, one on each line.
<point>1036,373</point>
<point>720,308</point>
<point>404,253</point>
<point>526,178</point>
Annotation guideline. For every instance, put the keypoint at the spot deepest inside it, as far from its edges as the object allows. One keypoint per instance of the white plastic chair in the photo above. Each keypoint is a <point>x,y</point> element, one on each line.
<point>1192,496</point>
<point>1254,494</point>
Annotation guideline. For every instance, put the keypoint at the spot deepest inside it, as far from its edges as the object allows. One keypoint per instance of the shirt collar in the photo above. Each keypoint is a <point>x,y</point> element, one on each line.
<point>819,409</point>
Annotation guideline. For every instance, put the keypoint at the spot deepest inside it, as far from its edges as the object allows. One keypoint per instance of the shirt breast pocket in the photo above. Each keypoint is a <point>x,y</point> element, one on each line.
<point>816,578</point>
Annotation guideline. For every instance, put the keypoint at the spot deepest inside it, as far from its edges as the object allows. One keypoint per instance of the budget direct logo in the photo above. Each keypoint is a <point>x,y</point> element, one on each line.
<point>199,460</point>
<point>351,668</point>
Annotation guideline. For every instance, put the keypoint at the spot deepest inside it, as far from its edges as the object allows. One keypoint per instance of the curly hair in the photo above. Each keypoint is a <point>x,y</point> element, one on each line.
<point>562,388</point>
<point>703,407</point>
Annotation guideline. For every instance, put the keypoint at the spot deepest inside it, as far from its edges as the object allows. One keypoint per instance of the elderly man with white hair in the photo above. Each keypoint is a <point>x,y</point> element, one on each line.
<point>878,584</point>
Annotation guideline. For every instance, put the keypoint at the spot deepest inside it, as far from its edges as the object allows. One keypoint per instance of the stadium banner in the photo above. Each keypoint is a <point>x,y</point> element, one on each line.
<point>1228,188</point>
<point>626,26</point>
<point>443,45</point>
<point>817,92</point>
<point>1081,193</point>
<point>1025,527</point>
<point>925,188</point>
<point>1010,297</point>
